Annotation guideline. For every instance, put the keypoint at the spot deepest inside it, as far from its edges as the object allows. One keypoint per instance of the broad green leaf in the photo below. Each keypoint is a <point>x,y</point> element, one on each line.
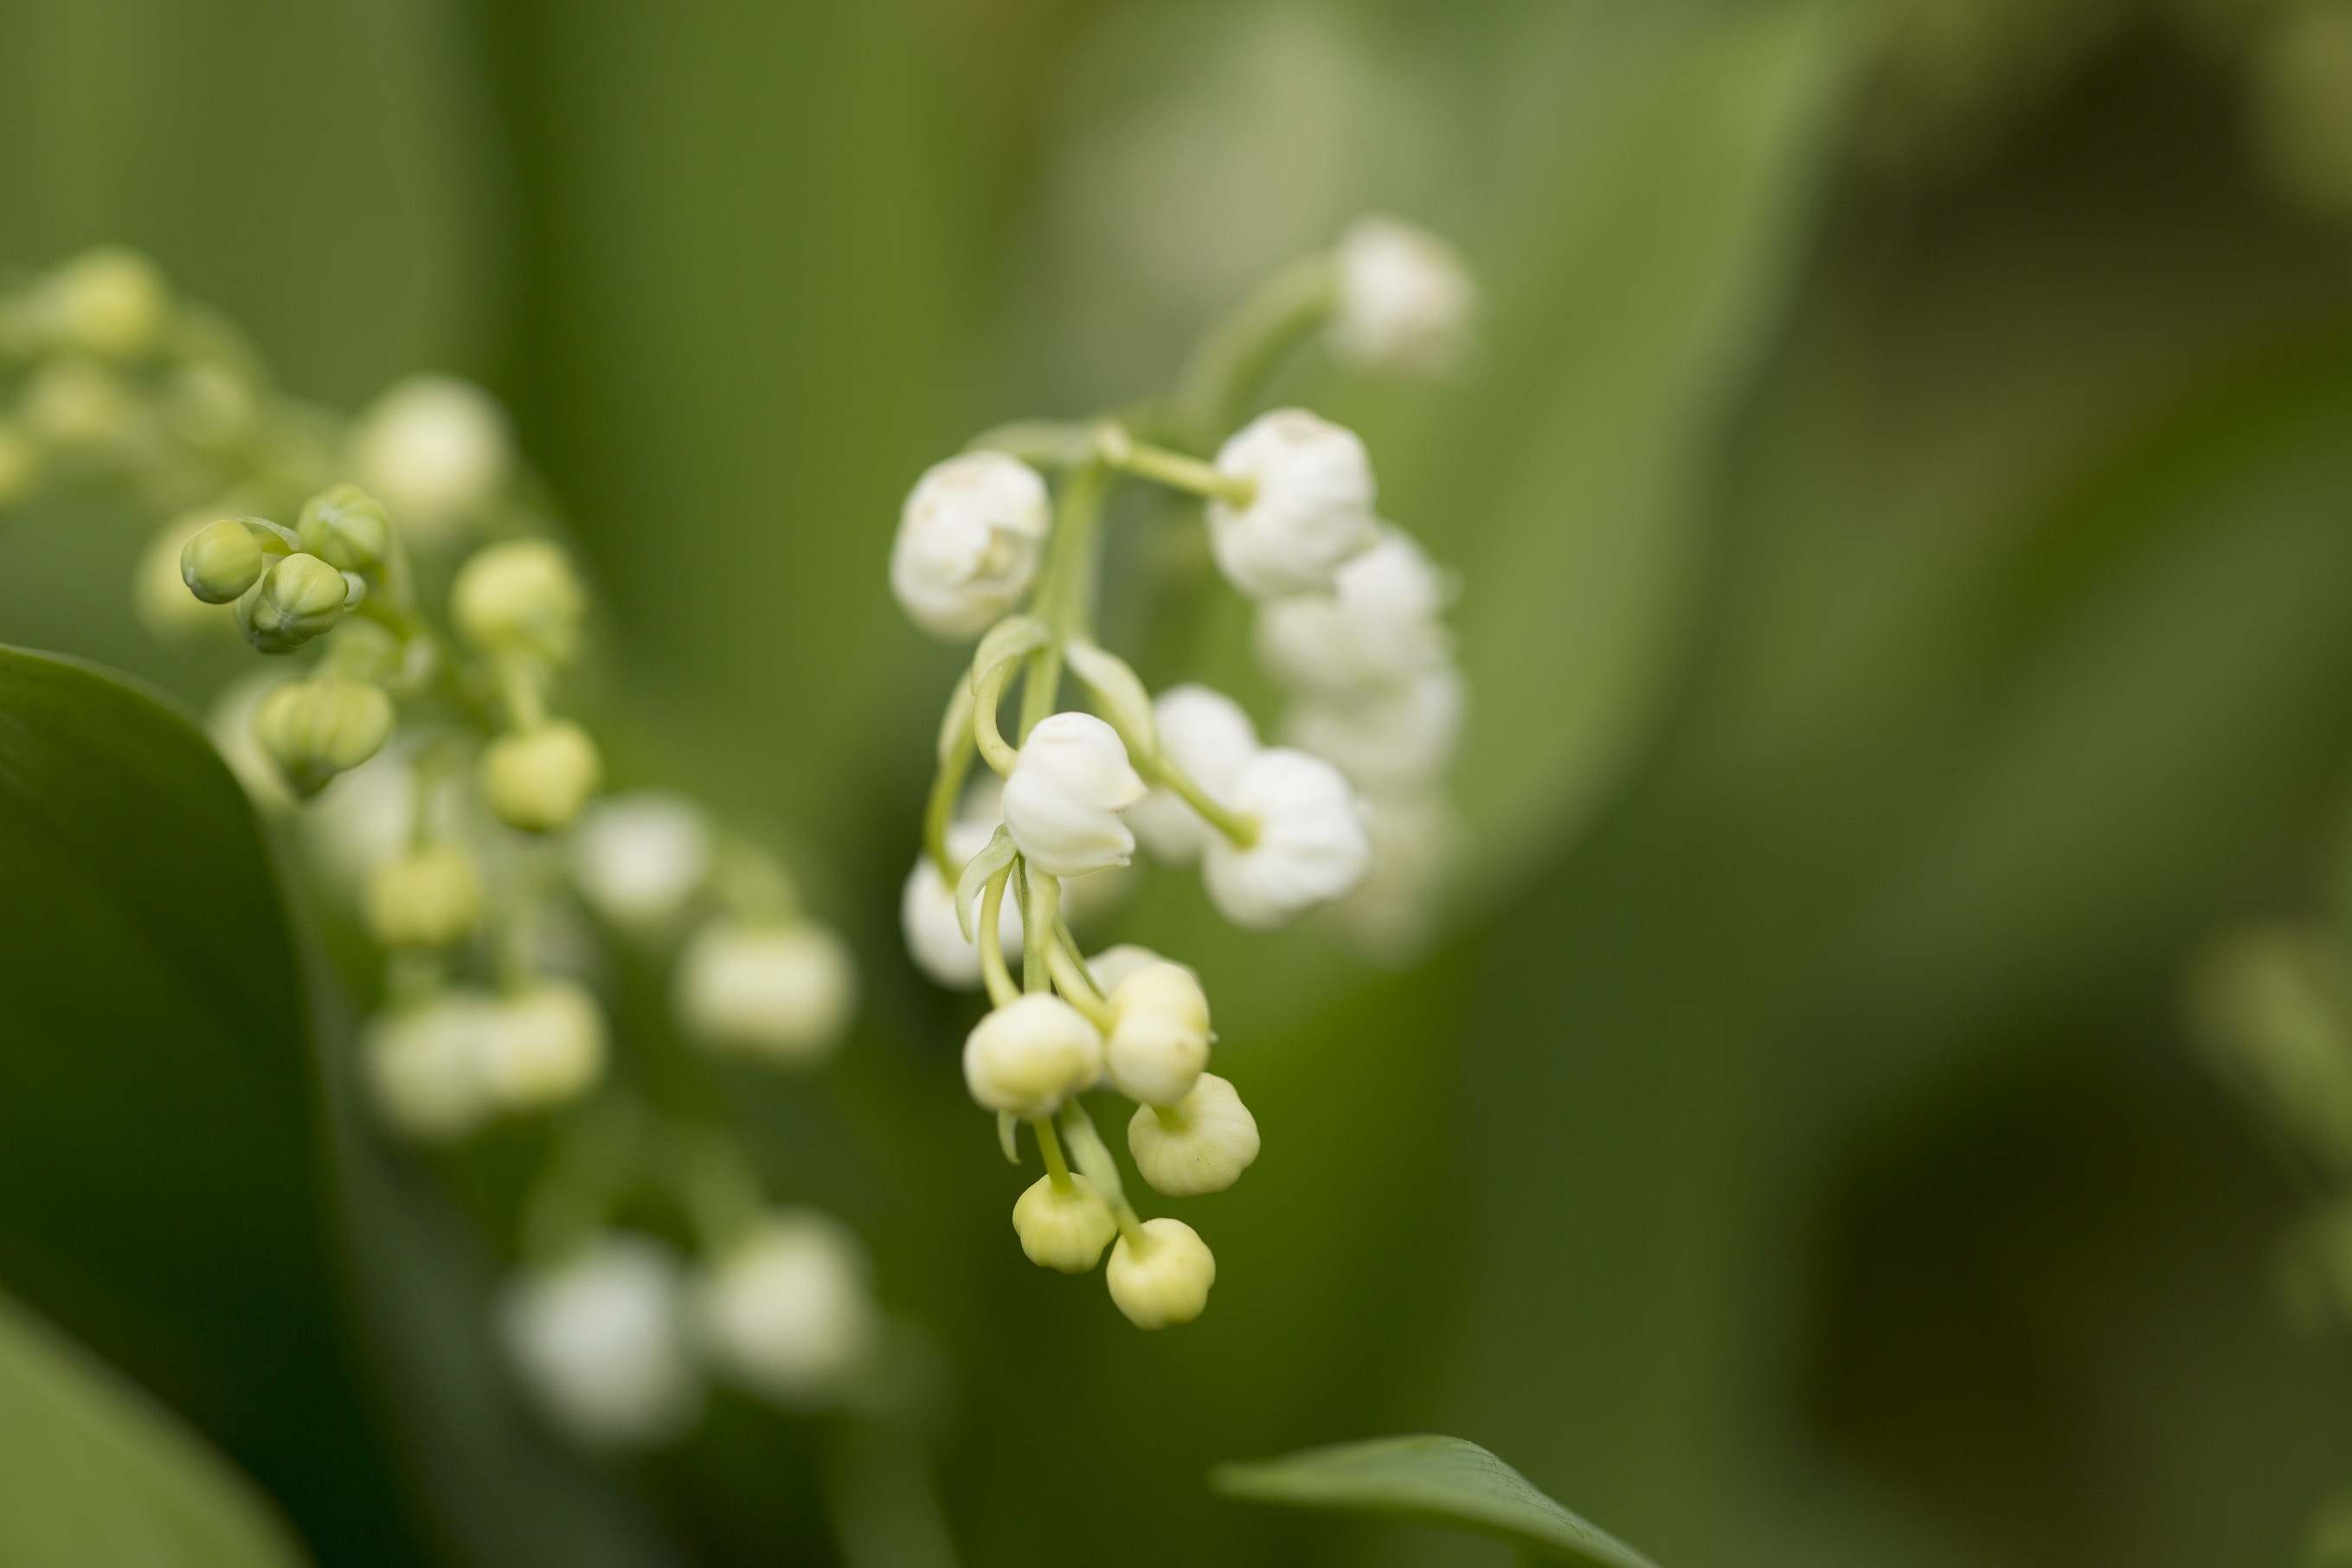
<point>94,1475</point>
<point>1437,1481</point>
<point>160,1195</point>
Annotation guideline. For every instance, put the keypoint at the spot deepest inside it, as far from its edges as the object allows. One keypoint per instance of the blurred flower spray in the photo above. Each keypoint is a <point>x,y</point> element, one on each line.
<point>444,614</point>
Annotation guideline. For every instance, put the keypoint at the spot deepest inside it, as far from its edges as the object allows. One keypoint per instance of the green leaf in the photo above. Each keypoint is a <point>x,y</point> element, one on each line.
<point>93,1474</point>
<point>1436,1480</point>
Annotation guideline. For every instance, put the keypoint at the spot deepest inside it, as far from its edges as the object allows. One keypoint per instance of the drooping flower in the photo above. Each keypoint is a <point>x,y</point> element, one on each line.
<point>1311,845</point>
<point>1310,508</point>
<point>1064,800</point>
<point>968,543</point>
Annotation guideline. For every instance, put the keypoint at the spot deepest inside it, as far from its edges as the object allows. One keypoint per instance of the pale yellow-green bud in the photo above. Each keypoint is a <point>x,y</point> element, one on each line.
<point>222,561</point>
<point>108,302</point>
<point>1201,1144</point>
<point>346,529</point>
<point>160,595</point>
<point>314,730</point>
<point>1030,1054</point>
<point>538,780</point>
<point>295,599</point>
<point>1064,1230</point>
<point>521,596</point>
<point>1159,1039</point>
<point>544,1047</point>
<point>1166,1280</point>
<point>428,898</point>
<point>20,464</point>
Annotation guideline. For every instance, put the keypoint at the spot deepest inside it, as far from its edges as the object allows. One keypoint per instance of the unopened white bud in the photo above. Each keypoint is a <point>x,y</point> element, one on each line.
<point>1062,800</point>
<point>1391,739</point>
<point>1405,298</point>
<point>437,450</point>
<point>1201,1144</point>
<point>1311,845</point>
<point>544,1047</point>
<point>783,994</point>
<point>1112,966</point>
<point>430,897</point>
<point>521,596</point>
<point>926,915</point>
<point>601,1346</point>
<point>1209,739</point>
<point>1166,1280</point>
<point>1063,1229</point>
<point>109,301</point>
<point>538,780</point>
<point>1378,626</point>
<point>1159,1039</point>
<point>788,1312</point>
<point>1312,507</point>
<point>425,1067</point>
<point>637,858</point>
<point>968,543</point>
<point>1029,1056</point>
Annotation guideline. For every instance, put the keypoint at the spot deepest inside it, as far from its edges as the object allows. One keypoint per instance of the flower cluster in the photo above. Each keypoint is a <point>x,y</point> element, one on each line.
<point>1000,544</point>
<point>406,569</point>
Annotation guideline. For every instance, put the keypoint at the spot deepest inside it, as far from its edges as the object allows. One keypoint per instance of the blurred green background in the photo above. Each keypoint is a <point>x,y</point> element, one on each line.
<point>1904,506</point>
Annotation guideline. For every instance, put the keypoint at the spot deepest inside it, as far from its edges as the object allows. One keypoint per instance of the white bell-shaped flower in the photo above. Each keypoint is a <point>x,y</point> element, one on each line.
<point>1392,739</point>
<point>1378,626</point>
<point>1166,1280</point>
<point>1311,508</point>
<point>600,1344</point>
<point>781,993</point>
<point>1210,738</point>
<point>788,1312</point>
<point>968,543</point>
<point>1201,1144</point>
<point>926,915</point>
<point>1311,845</point>
<point>637,858</point>
<point>543,1045</point>
<point>1405,299</point>
<point>1063,1230</point>
<point>1029,1056</point>
<point>425,1067</point>
<point>1159,1039</point>
<point>1064,800</point>
<point>436,450</point>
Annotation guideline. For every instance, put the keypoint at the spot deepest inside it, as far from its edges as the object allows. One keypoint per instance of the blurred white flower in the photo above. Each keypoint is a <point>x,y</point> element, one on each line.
<point>1312,507</point>
<point>1030,1054</point>
<point>109,301</point>
<point>437,451</point>
<point>968,543</point>
<point>1414,839</point>
<point>430,897</point>
<point>543,1045</point>
<point>425,1068</point>
<point>1062,802</point>
<point>783,994</point>
<point>637,858</point>
<point>926,914</point>
<point>787,1311</point>
<point>1405,298</point>
<point>1391,739</point>
<point>1209,738</point>
<point>229,727</point>
<point>537,780</point>
<point>1166,1280</point>
<point>1202,1144</point>
<point>1311,845</point>
<point>600,1347</point>
<point>1378,626</point>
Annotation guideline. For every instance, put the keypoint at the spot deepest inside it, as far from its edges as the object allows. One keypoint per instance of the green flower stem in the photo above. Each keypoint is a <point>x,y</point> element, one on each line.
<point>1235,360</point>
<point>1180,472</point>
<point>986,696</point>
<point>1050,1147</point>
<point>1239,830</point>
<point>1042,906</point>
<point>1001,989</point>
<point>955,749</point>
<point>1040,443</point>
<point>1070,979</point>
<point>1094,1158</point>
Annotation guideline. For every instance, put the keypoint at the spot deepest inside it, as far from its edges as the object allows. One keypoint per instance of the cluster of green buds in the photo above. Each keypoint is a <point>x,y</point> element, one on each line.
<point>1002,542</point>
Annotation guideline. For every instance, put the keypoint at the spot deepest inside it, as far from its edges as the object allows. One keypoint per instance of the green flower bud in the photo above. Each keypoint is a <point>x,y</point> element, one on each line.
<point>109,301</point>
<point>314,730</point>
<point>221,561</point>
<point>520,597</point>
<point>346,529</point>
<point>538,781</point>
<point>427,898</point>
<point>1064,1230</point>
<point>295,600</point>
